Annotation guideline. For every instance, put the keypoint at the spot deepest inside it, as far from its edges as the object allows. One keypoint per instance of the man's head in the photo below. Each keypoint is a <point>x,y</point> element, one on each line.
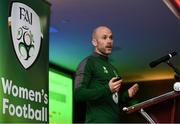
<point>102,40</point>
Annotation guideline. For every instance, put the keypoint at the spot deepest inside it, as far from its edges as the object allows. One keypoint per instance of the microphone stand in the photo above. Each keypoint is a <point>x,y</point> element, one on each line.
<point>176,86</point>
<point>176,70</point>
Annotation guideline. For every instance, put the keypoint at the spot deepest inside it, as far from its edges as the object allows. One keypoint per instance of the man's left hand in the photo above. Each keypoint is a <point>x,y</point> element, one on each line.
<point>133,90</point>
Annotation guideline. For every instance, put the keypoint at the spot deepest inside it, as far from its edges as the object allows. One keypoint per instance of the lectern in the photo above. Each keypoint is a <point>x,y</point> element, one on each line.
<point>160,109</point>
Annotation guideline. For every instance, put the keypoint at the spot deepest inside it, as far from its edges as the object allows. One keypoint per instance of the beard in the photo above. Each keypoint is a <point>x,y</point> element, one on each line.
<point>105,50</point>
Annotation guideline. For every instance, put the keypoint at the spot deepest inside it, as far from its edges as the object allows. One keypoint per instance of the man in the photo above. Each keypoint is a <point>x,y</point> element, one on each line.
<point>97,83</point>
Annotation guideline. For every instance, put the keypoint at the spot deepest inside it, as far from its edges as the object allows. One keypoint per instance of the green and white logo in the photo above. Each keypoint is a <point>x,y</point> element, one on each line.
<point>26,33</point>
<point>105,69</point>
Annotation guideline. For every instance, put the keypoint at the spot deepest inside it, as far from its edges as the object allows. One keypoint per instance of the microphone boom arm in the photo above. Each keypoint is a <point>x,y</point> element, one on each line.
<point>176,70</point>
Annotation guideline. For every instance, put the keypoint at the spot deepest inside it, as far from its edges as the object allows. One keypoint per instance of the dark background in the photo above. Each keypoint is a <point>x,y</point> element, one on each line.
<point>143,30</point>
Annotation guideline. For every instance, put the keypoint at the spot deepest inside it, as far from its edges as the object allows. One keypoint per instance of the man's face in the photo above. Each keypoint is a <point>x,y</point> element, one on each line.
<point>103,41</point>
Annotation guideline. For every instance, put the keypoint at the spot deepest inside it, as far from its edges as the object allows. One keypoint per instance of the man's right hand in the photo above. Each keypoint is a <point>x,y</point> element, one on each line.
<point>114,85</point>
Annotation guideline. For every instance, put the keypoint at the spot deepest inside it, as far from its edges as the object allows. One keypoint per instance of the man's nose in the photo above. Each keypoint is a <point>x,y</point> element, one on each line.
<point>109,40</point>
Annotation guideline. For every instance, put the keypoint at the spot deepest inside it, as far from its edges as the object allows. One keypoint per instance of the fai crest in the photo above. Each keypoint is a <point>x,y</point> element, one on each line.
<point>26,33</point>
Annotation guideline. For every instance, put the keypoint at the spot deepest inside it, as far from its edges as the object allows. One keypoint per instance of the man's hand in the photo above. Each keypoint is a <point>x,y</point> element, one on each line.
<point>133,90</point>
<point>114,84</point>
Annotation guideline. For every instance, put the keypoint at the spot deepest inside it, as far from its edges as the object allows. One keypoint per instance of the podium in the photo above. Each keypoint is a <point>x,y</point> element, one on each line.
<point>160,109</point>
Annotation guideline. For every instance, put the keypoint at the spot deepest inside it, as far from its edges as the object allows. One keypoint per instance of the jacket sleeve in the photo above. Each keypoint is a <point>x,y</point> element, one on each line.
<point>83,76</point>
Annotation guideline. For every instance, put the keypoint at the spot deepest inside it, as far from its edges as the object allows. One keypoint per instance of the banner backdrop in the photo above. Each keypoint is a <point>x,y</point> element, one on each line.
<point>24,35</point>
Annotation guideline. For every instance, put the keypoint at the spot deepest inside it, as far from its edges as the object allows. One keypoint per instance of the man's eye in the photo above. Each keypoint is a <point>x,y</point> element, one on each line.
<point>104,37</point>
<point>111,37</point>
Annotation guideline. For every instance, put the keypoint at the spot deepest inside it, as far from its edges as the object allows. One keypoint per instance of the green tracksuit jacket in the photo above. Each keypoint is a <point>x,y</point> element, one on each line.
<point>91,85</point>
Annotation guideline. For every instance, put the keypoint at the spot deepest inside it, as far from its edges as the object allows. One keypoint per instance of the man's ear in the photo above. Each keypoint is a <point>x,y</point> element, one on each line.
<point>94,42</point>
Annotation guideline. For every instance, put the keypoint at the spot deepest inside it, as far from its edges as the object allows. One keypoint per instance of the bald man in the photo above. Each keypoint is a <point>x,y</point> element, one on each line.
<point>97,82</point>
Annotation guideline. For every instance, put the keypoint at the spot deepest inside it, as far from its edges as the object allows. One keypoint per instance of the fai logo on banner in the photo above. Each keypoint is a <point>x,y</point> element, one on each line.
<point>26,33</point>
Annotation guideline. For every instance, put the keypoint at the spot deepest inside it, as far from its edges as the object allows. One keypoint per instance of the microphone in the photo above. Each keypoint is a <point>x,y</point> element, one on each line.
<point>162,59</point>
